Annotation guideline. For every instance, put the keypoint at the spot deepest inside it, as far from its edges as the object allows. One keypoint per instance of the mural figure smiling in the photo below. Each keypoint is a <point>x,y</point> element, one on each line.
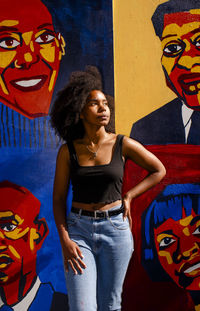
<point>181,55</point>
<point>171,238</point>
<point>177,24</point>
<point>33,67</point>
<point>30,55</point>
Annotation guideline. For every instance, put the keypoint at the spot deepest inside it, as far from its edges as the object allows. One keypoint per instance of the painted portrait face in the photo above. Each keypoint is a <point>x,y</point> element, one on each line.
<point>30,54</point>
<point>20,235</point>
<point>178,248</point>
<point>181,55</point>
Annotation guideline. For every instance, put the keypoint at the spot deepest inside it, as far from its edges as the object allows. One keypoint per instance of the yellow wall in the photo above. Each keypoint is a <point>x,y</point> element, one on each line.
<point>139,81</point>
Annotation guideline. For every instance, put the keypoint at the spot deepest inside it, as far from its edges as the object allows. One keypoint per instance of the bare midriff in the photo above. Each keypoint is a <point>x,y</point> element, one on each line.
<point>96,206</point>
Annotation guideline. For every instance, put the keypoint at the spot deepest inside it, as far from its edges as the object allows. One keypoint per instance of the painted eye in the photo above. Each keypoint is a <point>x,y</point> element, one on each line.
<point>172,49</point>
<point>8,227</point>
<point>166,242</point>
<point>197,231</point>
<point>9,43</point>
<point>45,38</point>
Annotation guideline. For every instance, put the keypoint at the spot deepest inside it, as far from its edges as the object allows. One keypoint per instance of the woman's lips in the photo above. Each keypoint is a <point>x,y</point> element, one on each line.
<point>103,117</point>
<point>29,84</point>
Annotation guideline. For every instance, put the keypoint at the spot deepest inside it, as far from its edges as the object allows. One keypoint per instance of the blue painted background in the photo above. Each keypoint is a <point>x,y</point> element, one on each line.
<point>28,148</point>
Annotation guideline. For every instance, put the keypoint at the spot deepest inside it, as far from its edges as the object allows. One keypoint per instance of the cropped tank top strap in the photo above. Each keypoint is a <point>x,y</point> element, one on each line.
<point>118,148</point>
<point>72,152</point>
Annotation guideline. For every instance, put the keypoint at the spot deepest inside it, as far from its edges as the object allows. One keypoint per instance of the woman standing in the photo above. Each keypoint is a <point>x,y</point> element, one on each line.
<point>96,238</point>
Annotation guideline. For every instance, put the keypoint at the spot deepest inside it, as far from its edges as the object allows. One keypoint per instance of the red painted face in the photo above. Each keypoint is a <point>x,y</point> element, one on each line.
<point>30,54</point>
<point>181,55</point>
<point>178,248</point>
<point>20,237</point>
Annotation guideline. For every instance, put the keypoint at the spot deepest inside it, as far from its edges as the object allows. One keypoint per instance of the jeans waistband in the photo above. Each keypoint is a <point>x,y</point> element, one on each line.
<point>98,213</point>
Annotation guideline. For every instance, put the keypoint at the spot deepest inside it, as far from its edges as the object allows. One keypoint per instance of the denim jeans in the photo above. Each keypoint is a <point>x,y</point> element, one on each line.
<point>107,246</point>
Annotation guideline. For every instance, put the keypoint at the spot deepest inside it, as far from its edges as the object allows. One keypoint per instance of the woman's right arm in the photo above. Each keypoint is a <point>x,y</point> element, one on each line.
<point>71,252</point>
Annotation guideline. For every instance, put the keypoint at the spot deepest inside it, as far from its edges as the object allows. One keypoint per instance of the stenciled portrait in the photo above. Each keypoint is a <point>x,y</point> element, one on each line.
<point>30,55</point>
<point>164,273</point>
<point>41,43</point>
<point>22,233</point>
<point>176,24</point>
<point>171,233</point>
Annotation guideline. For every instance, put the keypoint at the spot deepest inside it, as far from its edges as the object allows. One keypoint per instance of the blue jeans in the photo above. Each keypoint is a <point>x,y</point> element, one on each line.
<point>107,246</point>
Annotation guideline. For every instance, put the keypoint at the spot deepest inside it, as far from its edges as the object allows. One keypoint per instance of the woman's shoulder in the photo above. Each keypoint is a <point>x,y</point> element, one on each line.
<point>128,140</point>
<point>130,145</point>
<point>63,151</point>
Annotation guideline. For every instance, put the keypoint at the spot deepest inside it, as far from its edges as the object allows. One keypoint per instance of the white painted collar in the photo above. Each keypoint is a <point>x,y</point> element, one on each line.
<point>186,113</point>
<point>27,300</point>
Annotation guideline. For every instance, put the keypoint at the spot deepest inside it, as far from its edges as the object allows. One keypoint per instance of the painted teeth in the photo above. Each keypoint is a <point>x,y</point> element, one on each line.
<point>28,83</point>
<point>192,268</point>
<point>192,88</point>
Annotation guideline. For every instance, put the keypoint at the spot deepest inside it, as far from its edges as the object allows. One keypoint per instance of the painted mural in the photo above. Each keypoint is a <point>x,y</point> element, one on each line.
<point>41,42</point>
<point>176,23</point>
<point>164,273</point>
<point>22,235</point>
<point>171,231</point>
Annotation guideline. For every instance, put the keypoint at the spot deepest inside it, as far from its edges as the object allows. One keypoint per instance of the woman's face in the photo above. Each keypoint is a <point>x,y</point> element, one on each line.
<point>96,111</point>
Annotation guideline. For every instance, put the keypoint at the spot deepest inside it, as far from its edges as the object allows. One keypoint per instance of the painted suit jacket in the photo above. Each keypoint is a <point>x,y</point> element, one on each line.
<point>165,126</point>
<point>47,299</point>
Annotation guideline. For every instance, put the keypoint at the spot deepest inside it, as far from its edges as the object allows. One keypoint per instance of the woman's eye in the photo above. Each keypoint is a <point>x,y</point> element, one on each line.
<point>166,242</point>
<point>172,49</point>
<point>197,231</point>
<point>9,43</point>
<point>8,227</point>
<point>45,38</point>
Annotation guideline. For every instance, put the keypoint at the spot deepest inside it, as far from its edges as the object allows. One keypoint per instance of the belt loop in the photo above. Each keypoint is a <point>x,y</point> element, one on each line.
<point>79,213</point>
<point>106,213</point>
<point>95,214</point>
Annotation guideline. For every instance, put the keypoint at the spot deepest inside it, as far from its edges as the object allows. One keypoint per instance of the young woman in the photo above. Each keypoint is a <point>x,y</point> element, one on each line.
<point>96,238</point>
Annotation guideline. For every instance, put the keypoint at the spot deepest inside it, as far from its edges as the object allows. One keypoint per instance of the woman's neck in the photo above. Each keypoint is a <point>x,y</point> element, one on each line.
<point>94,136</point>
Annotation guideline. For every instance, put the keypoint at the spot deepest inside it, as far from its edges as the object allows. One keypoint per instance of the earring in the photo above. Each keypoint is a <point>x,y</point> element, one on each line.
<point>16,65</point>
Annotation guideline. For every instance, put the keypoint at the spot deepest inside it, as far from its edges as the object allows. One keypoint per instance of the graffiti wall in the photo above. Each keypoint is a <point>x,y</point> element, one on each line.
<point>164,270</point>
<point>41,43</point>
<point>164,273</point>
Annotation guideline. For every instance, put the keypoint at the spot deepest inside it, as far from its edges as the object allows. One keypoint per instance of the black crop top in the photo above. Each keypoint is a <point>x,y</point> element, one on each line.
<point>100,183</point>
